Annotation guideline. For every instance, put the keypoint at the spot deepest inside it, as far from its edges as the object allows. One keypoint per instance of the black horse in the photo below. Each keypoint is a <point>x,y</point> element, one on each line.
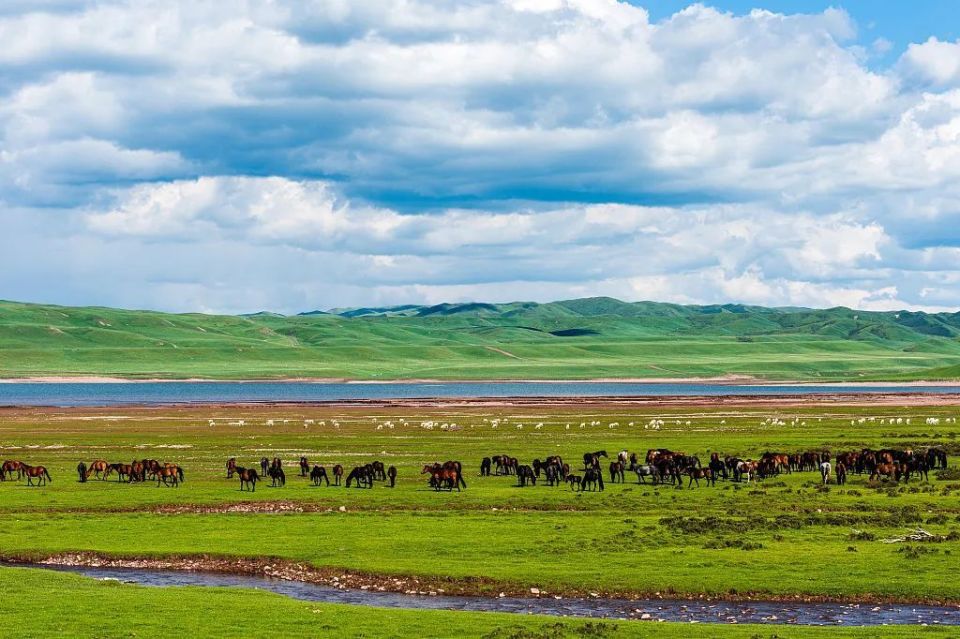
<point>362,476</point>
<point>379,472</point>
<point>318,474</point>
<point>392,476</point>
<point>574,481</point>
<point>592,479</point>
<point>264,466</point>
<point>277,477</point>
<point>485,465</point>
<point>82,471</point>
<point>592,460</point>
<point>525,475</point>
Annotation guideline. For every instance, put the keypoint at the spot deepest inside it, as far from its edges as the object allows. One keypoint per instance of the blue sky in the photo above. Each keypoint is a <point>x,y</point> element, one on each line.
<point>227,156</point>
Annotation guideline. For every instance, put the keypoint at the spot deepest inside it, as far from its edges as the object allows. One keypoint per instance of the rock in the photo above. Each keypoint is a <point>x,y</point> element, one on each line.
<point>645,615</point>
<point>534,591</point>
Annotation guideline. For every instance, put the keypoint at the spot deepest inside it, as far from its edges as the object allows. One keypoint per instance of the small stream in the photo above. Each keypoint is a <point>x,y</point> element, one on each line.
<point>755,612</point>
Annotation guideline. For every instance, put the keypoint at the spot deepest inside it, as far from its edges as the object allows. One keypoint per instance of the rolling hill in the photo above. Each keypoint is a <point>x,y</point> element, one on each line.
<point>572,339</point>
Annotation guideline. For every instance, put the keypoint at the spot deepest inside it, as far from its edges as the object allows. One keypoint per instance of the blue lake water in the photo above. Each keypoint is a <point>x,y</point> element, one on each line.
<point>112,394</point>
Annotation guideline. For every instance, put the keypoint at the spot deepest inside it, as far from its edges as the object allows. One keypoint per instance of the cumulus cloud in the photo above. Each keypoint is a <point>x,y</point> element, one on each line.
<point>481,149</point>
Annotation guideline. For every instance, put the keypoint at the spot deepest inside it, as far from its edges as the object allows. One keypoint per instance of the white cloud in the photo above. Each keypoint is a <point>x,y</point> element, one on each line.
<point>462,148</point>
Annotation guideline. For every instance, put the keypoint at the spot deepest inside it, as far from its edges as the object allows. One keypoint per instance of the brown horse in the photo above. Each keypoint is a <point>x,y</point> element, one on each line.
<point>11,466</point>
<point>231,467</point>
<point>97,468</point>
<point>304,467</point>
<point>170,475</point>
<point>248,478</point>
<point>337,474</point>
<point>886,471</point>
<point>441,477</point>
<point>122,471</point>
<point>39,472</point>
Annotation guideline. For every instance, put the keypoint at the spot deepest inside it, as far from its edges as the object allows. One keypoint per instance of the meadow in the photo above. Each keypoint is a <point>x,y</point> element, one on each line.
<point>784,537</point>
<point>577,339</point>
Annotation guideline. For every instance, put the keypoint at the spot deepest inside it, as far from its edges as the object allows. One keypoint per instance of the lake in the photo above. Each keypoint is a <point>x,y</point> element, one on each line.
<point>67,394</point>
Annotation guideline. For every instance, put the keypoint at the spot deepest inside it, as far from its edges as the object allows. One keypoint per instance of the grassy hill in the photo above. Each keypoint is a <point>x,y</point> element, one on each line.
<point>586,338</point>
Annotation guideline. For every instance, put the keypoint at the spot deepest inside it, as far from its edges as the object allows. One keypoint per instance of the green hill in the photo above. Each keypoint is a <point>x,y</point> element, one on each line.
<point>585,338</point>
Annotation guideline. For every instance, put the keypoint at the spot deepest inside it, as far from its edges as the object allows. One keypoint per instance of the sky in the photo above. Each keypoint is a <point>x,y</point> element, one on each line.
<point>229,156</point>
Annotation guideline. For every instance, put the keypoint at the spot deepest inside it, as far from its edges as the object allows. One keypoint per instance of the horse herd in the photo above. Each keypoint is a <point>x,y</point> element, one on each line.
<point>664,466</point>
<point>659,465</point>
<point>361,476</point>
<point>165,474</point>
<point>22,471</point>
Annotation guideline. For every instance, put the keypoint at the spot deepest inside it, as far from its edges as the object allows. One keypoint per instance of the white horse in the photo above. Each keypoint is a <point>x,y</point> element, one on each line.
<point>825,469</point>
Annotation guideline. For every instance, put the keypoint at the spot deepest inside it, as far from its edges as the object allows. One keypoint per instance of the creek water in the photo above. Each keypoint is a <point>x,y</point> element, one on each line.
<point>756,612</point>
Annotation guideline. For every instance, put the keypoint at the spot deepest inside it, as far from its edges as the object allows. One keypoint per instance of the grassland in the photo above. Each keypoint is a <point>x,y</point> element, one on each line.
<point>783,538</point>
<point>579,339</point>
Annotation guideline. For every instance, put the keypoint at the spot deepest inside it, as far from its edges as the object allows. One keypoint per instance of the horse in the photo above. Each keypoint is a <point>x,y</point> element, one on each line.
<point>616,472</point>
<point>575,482</point>
<point>443,476</point>
<point>264,466</point>
<point>138,471</point>
<point>886,471</point>
<point>82,472</point>
<point>623,457</point>
<point>392,476</point>
<point>40,472</point>
<point>10,466</point>
<point>936,458</point>
<point>122,470</point>
<point>592,460</point>
<point>362,475</point>
<point>337,474</point>
<point>151,468</point>
<point>97,468</point>
<point>248,477</point>
<point>170,475</point>
<point>717,466</point>
<point>841,473</point>
<point>696,474</point>
<point>304,467</point>
<point>646,470</point>
<point>825,470</point>
<point>379,470</point>
<point>553,474</point>
<point>318,474</point>
<point>231,467</point>
<point>277,477</point>
<point>526,475</point>
<point>592,479</point>
<point>485,465</point>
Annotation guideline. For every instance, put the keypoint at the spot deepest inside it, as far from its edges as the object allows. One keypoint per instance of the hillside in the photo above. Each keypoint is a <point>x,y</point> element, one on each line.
<point>585,338</point>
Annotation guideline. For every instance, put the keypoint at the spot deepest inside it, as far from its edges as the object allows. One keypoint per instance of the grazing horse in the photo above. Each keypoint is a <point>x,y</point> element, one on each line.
<point>39,472</point>
<point>304,467</point>
<point>936,458</point>
<point>592,460</point>
<point>277,477</point>
<point>122,470</point>
<point>170,475</point>
<point>10,466</point>
<point>575,482</point>
<point>362,475</point>
<point>592,480</point>
<point>444,476</point>
<point>264,465</point>
<point>318,474</point>
<point>379,470</point>
<point>696,474</point>
<point>337,474</point>
<point>616,472</point>
<point>526,475</point>
<point>841,473</point>
<point>886,471</point>
<point>97,468</point>
<point>553,474</point>
<point>231,467</point>
<point>825,470</point>
<point>485,465</point>
<point>646,470</point>
<point>82,472</point>
<point>248,478</point>
<point>392,476</point>
<point>151,467</point>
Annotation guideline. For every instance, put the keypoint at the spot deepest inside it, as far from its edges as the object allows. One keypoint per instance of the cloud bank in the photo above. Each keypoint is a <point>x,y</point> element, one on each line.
<point>232,156</point>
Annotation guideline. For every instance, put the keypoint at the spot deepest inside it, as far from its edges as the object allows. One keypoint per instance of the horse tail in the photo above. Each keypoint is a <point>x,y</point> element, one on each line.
<point>47,475</point>
<point>180,473</point>
<point>600,480</point>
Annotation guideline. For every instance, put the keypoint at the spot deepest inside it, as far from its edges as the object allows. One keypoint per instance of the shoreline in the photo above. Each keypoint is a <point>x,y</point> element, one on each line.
<point>723,380</point>
<point>346,579</point>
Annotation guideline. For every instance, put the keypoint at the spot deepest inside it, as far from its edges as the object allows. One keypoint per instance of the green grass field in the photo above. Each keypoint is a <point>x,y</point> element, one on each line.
<point>782,537</point>
<point>579,339</point>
